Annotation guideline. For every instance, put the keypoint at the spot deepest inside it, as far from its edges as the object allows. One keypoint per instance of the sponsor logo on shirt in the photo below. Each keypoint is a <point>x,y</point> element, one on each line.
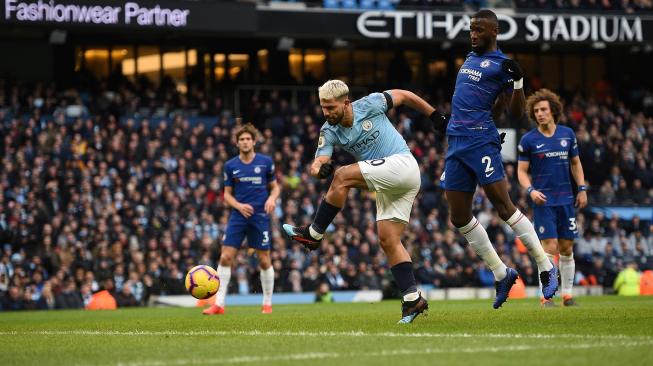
<point>366,142</point>
<point>472,74</point>
<point>539,146</point>
<point>563,155</point>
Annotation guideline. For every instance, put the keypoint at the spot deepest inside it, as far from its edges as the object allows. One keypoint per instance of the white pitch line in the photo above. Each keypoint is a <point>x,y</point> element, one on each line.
<point>385,353</point>
<point>259,333</point>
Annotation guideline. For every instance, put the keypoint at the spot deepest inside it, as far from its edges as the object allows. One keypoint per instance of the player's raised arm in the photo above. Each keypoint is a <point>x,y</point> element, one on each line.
<point>397,97</point>
<point>518,99</point>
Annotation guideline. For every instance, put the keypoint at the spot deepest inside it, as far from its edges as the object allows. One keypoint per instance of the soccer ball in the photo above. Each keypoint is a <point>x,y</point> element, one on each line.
<point>202,282</point>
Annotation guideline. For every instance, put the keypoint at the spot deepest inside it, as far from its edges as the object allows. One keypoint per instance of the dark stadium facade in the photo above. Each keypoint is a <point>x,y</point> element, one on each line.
<point>222,44</point>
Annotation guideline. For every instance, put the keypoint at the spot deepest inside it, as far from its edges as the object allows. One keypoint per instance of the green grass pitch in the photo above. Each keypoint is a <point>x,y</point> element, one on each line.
<point>602,331</point>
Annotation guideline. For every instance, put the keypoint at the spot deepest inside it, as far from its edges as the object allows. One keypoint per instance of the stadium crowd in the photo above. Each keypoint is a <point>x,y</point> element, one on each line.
<point>119,188</point>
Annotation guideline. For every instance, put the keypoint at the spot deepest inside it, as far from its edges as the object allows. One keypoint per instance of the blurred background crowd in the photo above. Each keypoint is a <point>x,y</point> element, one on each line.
<point>118,187</point>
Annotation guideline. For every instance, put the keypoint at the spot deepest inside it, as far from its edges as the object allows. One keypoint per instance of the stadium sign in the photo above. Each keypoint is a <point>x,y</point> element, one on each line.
<point>184,15</point>
<point>127,13</point>
<point>532,28</point>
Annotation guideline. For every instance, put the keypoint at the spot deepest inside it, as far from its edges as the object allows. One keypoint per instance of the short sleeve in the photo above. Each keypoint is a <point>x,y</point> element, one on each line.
<point>325,143</point>
<point>271,172</point>
<point>524,150</point>
<point>573,151</point>
<point>227,176</point>
<point>378,103</point>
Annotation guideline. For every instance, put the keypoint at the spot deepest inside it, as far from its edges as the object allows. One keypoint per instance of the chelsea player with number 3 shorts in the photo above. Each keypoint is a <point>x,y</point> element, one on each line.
<point>251,189</point>
<point>384,165</point>
<point>486,81</point>
<point>551,153</point>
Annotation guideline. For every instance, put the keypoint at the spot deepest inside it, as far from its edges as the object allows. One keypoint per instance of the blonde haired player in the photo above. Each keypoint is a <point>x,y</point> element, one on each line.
<point>385,165</point>
<point>251,189</point>
<point>551,152</point>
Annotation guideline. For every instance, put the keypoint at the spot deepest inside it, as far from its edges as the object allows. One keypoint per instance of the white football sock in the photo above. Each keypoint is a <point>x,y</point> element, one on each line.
<point>224,274</point>
<point>314,233</point>
<point>479,241</point>
<point>411,296</point>
<point>526,233</point>
<point>551,258</point>
<point>267,284</point>
<point>567,272</point>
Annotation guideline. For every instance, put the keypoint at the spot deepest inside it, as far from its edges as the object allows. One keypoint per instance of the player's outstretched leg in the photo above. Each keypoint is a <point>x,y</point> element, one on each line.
<point>310,236</point>
<point>301,235</point>
<point>504,277</point>
<point>411,309</point>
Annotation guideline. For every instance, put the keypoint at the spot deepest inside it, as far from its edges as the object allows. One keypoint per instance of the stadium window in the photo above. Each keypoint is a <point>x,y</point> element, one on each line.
<point>459,62</point>
<point>263,61</point>
<point>295,61</point>
<point>594,71</point>
<point>437,68</point>
<point>174,67</point>
<point>238,66</point>
<point>79,59</point>
<point>96,60</point>
<point>382,65</point>
<point>314,64</point>
<point>364,64</point>
<point>572,66</point>
<point>414,60</point>
<point>220,63</point>
<point>148,63</point>
<point>551,71</point>
<point>123,57</point>
<point>339,64</point>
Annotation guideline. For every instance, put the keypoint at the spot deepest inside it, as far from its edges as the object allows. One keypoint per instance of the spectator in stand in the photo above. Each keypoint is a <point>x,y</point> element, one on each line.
<point>138,198</point>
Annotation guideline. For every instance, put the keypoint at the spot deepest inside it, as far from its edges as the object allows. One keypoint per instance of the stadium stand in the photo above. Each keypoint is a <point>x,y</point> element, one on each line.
<point>118,188</point>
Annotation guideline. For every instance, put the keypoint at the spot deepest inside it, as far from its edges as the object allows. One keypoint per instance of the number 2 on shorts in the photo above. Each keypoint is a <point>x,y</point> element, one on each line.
<point>489,169</point>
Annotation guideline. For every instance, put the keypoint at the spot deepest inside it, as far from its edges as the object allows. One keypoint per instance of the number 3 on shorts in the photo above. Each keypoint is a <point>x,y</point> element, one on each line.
<point>266,237</point>
<point>572,224</point>
<point>489,169</point>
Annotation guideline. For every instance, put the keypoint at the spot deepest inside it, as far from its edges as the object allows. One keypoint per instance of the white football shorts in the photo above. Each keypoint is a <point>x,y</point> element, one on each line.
<point>396,181</point>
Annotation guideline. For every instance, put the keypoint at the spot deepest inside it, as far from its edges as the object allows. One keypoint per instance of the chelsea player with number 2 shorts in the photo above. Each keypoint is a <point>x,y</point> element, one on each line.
<point>384,165</point>
<point>485,82</point>
<point>551,153</point>
<point>251,189</point>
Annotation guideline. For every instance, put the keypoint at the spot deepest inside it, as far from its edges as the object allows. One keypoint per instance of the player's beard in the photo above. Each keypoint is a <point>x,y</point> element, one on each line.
<point>479,49</point>
<point>339,119</point>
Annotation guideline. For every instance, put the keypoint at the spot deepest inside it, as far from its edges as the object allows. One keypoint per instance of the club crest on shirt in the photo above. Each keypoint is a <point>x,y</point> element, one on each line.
<point>367,125</point>
<point>257,170</point>
<point>563,143</point>
<point>485,63</point>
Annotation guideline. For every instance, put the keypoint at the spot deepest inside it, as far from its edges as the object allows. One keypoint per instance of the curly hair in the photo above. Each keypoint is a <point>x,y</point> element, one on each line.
<point>541,95</point>
<point>247,128</point>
